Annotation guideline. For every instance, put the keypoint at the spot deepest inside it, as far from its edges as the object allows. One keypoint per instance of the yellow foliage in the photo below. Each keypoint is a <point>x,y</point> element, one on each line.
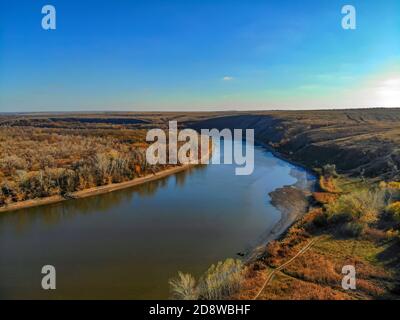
<point>325,197</point>
<point>394,185</point>
<point>362,205</point>
<point>391,234</point>
<point>394,209</point>
<point>328,184</point>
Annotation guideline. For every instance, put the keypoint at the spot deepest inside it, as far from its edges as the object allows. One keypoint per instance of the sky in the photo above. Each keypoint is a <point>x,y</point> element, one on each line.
<point>121,55</point>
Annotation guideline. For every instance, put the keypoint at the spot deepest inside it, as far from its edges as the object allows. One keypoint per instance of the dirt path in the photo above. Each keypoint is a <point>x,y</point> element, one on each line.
<point>271,275</point>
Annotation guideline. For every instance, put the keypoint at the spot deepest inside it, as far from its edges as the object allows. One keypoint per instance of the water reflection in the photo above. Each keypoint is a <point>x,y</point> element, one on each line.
<point>55,213</point>
<point>128,243</point>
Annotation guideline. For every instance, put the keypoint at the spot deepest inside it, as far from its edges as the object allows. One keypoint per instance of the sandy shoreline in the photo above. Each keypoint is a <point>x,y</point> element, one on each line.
<point>291,201</point>
<point>94,191</point>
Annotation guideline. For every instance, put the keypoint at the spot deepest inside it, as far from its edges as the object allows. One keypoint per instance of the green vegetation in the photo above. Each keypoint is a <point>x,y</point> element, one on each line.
<point>362,206</point>
<point>358,226</point>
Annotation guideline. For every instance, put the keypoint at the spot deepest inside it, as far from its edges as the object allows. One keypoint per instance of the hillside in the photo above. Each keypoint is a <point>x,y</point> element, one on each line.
<point>359,142</point>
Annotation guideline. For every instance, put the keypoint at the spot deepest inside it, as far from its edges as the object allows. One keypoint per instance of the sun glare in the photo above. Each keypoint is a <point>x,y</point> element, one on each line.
<point>389,92</point>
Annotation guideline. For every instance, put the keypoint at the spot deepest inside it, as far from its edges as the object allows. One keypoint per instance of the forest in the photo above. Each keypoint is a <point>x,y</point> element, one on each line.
<point>40,162</point>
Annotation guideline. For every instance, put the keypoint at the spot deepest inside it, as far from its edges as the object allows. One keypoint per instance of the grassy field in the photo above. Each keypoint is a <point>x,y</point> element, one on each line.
<point>350,228</point>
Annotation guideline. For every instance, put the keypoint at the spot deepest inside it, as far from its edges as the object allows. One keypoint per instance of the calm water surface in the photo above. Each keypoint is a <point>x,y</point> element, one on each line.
<point>128,243</point>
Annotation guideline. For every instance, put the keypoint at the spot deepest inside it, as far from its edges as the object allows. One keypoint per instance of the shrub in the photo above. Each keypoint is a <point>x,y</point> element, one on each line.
<point>393,234</point>
<point>394,185</point>
<point>363,205</point>
<point>324,197</point>
<point>394,210</point>
<point>184,287</point>
<point>375,234</point>
<point>321,221</point>
<point>329,170</point>
<point>392,189</point>
<point>328,184</point>
<point>341,218</point>
<point>272,249</point>
<point>353,229</point>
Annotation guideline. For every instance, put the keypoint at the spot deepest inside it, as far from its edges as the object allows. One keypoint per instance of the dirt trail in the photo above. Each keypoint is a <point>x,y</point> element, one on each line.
<point>271,275</point>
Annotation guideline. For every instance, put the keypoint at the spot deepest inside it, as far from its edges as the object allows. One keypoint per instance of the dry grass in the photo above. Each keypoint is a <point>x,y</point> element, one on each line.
<point>325,197</point>
<point>317,274</point>
<point>284,287</point>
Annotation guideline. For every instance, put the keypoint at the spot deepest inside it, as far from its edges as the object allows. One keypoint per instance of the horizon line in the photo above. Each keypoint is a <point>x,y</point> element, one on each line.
<point>196,111</point>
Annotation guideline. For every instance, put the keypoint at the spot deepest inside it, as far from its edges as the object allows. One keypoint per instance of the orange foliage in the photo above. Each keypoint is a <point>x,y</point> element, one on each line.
<point>328,184</point>
<point>325,197</point>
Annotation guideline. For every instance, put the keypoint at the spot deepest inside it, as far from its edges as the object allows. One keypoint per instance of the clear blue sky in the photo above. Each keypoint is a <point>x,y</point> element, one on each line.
<point>198,55</point>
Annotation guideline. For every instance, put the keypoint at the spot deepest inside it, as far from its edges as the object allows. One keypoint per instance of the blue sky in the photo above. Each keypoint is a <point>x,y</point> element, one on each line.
<point>198,55</point>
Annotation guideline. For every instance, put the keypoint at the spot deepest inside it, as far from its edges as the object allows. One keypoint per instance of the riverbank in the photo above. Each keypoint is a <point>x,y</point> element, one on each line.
<point>292,201</point>
<point>94,191</point>
<point>285,157</point>
<point>293,204</point>
<point>372,248</point>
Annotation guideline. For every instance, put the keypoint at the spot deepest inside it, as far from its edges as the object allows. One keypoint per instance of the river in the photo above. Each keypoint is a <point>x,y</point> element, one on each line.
<point>127,244</point>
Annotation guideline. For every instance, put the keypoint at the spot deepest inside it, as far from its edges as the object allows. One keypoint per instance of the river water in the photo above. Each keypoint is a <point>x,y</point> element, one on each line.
<point>127,244</point>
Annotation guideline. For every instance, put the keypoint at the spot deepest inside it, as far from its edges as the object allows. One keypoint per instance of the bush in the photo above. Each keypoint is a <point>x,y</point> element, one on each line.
<point>394,185</point>
<point>393,234</point>
<point>363,205</point>
<point>321,221</point>
<point>341,218</point>
<point>328,184</point>
<point>375,234</point>
<point>394,210</point>
<point>353,229</point>
<point>184,287</point>
<point>324,197</point>
<point>329,170</point>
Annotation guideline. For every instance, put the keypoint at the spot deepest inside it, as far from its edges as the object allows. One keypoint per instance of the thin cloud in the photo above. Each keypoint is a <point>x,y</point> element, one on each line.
<point>227,78</point>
